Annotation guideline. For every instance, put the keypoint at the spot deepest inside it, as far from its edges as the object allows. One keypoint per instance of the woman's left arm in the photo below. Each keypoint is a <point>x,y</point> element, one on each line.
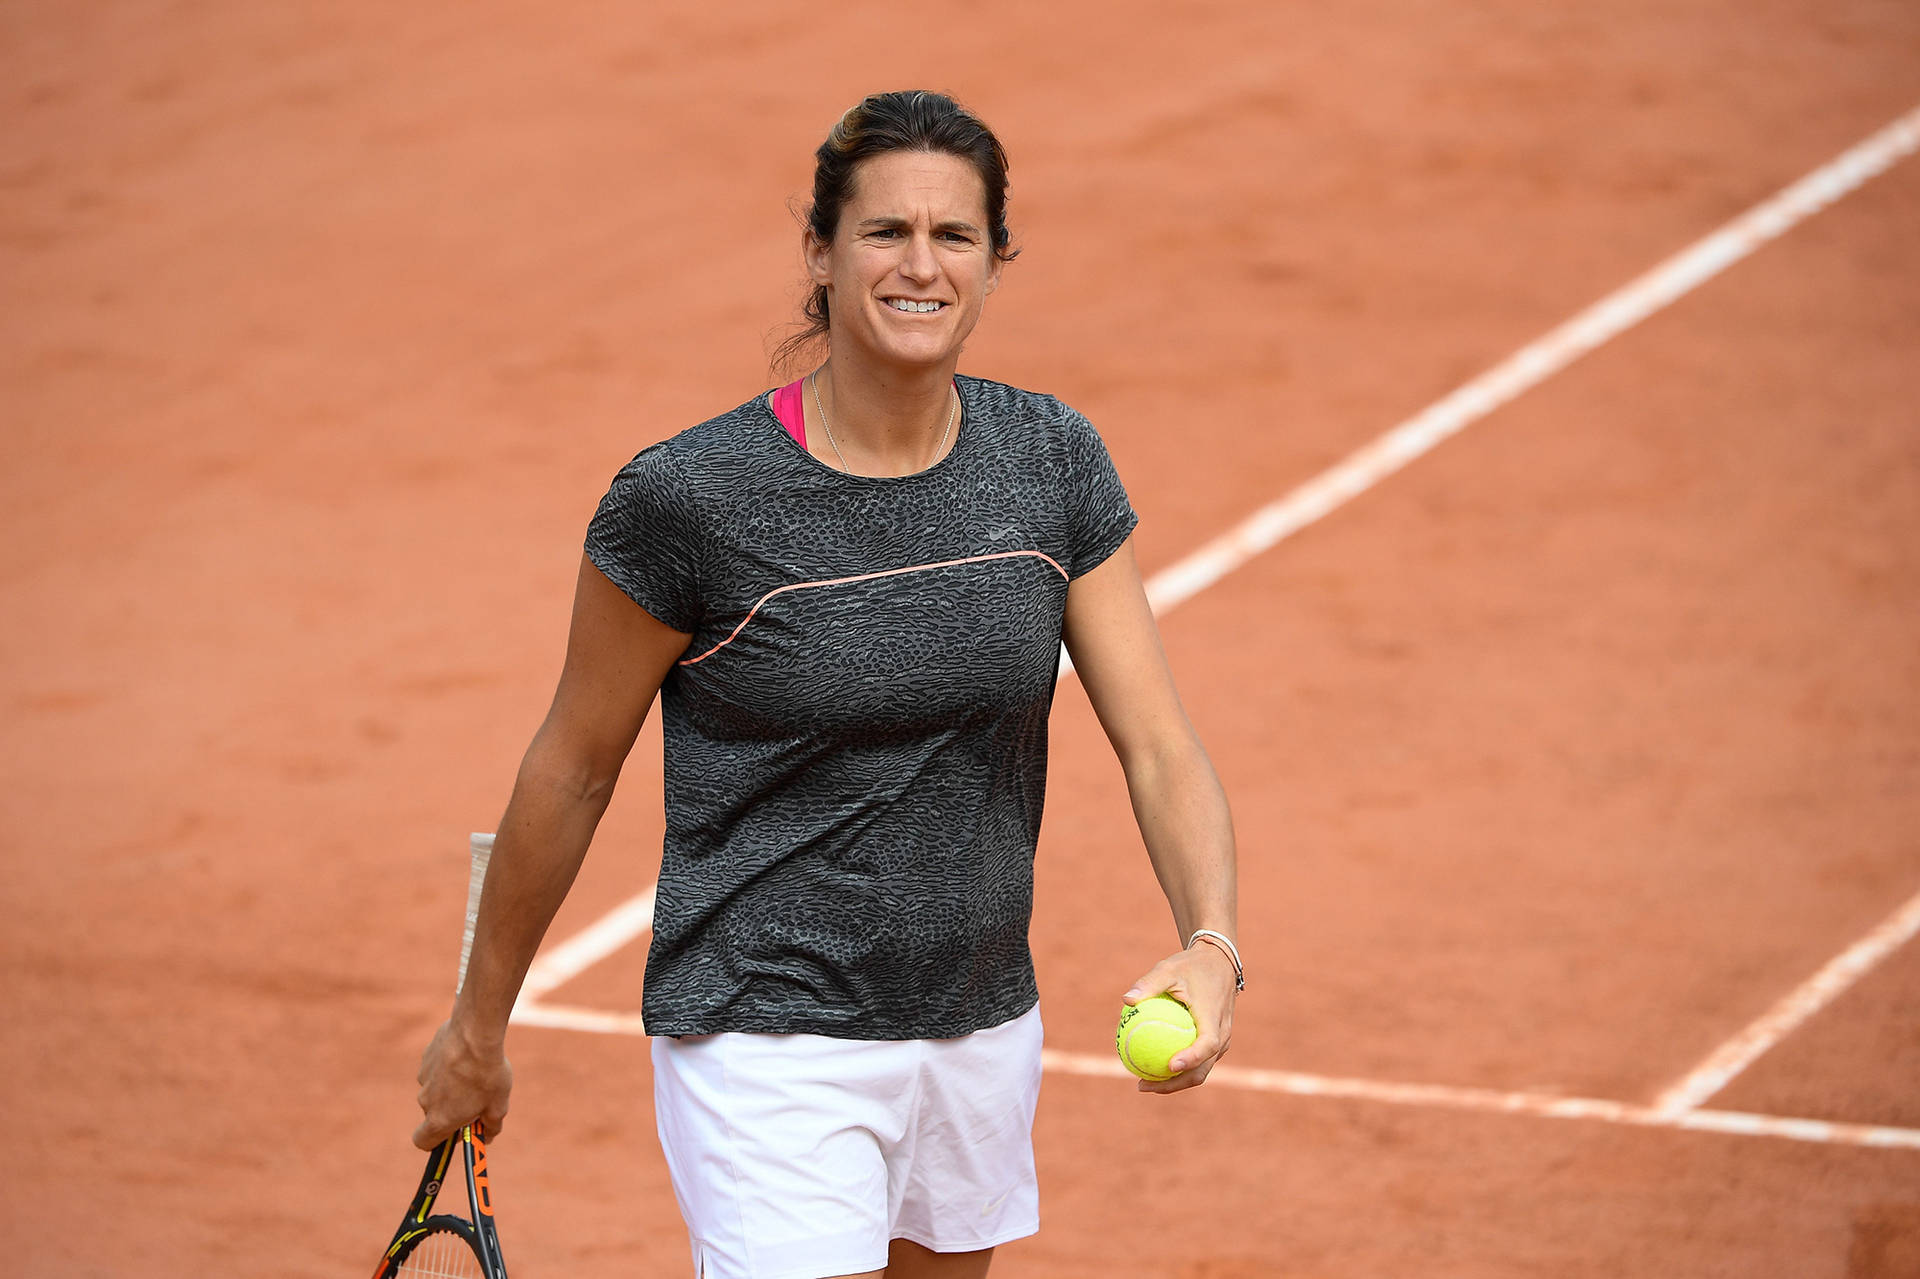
<point>1177,799</point>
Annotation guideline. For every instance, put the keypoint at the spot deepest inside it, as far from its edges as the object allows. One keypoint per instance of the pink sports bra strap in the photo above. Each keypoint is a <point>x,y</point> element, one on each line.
<point>792,411</point>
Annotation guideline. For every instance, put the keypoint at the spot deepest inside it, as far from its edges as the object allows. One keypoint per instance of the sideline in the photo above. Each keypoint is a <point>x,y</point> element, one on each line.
<point>1793,1011</point>
<point>1535,362</point>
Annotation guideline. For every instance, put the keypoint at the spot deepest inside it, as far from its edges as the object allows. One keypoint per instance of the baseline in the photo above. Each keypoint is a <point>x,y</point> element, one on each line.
<point>1445,1096</point>
<point>1430,1096</point>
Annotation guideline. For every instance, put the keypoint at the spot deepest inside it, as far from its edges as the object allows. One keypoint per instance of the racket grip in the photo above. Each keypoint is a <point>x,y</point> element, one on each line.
<point>479,850</point>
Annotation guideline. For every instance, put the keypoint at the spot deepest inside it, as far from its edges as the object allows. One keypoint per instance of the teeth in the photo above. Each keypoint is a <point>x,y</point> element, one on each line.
<point>902,304</point>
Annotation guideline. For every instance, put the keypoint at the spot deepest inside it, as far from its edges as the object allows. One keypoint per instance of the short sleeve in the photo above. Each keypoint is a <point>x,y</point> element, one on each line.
<point>1102,515</point>
<point>645,538</point>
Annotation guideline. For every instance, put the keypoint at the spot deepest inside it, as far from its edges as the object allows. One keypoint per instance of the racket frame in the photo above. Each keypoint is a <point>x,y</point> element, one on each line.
<point>479,1233</point>
<point>480,1199</point>
<point>414,1224</point>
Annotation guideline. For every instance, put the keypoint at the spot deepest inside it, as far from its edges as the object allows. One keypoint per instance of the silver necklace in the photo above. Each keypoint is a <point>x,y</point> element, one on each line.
<point>813,384</point>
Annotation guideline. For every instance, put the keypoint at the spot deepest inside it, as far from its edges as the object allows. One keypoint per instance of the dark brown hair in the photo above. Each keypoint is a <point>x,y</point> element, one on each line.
<point>910,120</point>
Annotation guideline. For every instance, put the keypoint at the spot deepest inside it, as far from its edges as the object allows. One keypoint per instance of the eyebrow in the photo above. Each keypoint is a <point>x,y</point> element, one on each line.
<point>952,224</point>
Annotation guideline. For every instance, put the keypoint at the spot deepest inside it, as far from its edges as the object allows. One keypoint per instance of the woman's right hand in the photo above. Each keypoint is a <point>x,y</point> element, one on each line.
<point>460,1082</point>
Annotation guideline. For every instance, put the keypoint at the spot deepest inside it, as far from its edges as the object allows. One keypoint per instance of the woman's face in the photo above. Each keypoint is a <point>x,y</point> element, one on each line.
<point>910,265</point>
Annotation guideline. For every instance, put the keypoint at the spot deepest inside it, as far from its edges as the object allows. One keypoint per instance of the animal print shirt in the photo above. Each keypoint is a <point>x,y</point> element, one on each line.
<point>856,736</point>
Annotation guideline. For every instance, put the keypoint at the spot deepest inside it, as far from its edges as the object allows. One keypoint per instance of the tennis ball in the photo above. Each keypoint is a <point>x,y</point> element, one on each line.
<point>1150,1033</point>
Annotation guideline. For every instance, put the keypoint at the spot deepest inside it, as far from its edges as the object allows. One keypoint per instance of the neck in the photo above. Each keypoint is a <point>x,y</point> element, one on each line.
<point>884,421</point>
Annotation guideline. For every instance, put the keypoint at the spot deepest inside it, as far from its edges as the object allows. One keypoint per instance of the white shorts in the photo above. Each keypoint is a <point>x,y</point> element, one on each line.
<point>801,1156</point>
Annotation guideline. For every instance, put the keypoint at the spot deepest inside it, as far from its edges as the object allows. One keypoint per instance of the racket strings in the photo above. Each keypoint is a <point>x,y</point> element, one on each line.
<point>441,1255</point>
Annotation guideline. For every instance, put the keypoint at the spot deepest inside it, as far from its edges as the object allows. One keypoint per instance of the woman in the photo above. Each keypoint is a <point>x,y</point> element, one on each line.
<point>849,595</point>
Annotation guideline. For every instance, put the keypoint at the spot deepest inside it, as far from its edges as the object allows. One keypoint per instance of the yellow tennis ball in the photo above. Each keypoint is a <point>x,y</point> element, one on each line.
<point>1150,1033</point>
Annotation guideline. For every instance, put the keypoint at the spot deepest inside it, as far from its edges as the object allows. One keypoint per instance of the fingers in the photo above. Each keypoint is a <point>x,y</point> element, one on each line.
<point>1157,980</point>
<point>437,1121</point>
<point>1207,1048</point>
<point>1191,1065</point>
<point>436,1128</point>
<point>1194,978</point>
<point>447,1103</point>
<point>1180,1082</point>
<point>430,1134</point>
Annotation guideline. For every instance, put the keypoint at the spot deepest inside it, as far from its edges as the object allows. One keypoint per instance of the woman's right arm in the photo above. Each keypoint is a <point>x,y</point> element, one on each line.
<point>617,656</point>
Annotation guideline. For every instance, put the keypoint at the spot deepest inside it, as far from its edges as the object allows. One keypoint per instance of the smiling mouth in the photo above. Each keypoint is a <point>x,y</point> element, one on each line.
<point>908,305</point>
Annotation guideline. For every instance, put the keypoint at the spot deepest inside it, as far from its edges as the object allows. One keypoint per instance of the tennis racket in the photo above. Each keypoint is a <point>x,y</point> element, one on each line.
<point>446,1244</point>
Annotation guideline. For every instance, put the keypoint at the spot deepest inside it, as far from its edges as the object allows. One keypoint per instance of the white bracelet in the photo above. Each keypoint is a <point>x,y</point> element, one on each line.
<point>1225,943</point>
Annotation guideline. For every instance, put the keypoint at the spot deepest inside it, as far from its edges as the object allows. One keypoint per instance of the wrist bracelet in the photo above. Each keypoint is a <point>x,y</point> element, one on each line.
<point>1225,944</point>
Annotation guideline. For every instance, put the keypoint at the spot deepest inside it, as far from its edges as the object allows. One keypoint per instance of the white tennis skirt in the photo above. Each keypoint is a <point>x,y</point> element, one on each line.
<point>801,1156</point>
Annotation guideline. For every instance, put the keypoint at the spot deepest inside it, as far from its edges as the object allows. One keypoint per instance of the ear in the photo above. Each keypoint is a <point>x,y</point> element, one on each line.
<point>993,273</point>
<point>818,256</point>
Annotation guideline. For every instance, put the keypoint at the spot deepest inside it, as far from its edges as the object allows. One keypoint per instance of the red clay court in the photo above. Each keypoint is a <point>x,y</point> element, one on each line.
<point>1522,407</point>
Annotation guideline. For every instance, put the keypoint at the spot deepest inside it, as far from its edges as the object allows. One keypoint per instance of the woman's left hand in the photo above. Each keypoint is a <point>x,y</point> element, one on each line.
<point>1202,978</point>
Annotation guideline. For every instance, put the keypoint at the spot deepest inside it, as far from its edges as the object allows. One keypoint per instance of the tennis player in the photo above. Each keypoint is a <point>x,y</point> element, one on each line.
<point>849,595</point>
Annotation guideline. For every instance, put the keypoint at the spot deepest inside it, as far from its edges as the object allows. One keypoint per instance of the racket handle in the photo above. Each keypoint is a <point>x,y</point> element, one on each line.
<point>479,849</point>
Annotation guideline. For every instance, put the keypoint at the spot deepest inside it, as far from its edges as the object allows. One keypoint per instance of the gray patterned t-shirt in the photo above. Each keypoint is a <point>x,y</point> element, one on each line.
<point>856,737</point>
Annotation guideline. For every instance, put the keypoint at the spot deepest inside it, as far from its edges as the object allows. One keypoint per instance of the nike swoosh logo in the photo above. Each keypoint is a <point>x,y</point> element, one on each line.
<point>995,1203</point>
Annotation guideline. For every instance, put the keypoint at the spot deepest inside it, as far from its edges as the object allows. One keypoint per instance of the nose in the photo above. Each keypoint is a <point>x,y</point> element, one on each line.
<point>919,263</point>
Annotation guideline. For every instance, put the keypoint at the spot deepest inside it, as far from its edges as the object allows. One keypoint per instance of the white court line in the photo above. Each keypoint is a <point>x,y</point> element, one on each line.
<point>593,1021</point>
<point>1734,1123</point>
<point>1800,1004</point>
<point>555,968</point>
<point>1373,462</point>
<point>1432,1096</point>
<point>1534,363</point>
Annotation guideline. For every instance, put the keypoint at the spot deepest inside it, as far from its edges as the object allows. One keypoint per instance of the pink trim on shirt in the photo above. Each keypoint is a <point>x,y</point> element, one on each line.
<point>868,577</point>
<point>792,411</point>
